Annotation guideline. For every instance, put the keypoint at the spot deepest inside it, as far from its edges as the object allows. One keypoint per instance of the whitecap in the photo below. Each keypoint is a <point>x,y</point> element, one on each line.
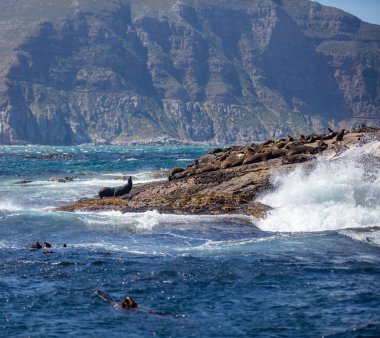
<point>334,195</point>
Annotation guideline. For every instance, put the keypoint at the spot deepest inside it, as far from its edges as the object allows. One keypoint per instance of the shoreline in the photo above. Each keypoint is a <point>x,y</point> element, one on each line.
<point>228,180</point>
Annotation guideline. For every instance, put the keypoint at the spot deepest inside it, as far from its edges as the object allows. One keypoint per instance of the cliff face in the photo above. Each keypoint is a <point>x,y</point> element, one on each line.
<point>215,71</point>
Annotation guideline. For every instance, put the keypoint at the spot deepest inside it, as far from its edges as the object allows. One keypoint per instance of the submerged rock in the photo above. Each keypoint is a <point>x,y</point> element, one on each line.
<point>61,179</point>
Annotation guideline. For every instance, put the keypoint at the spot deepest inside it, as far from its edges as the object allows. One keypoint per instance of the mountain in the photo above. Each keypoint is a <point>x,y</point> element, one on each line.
<point>79,71</point>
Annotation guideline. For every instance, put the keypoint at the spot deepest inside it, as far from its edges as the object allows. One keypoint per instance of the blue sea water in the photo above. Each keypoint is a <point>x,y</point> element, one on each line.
<point>311,269</point>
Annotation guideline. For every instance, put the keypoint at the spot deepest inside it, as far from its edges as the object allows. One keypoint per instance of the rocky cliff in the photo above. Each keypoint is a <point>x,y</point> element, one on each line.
<point>217,71</point>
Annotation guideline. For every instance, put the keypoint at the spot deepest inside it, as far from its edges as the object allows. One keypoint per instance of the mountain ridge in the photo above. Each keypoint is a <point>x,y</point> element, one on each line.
<point>211,71</point>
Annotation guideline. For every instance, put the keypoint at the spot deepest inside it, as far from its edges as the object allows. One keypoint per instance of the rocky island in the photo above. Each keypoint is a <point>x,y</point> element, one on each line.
<point>229,180</point>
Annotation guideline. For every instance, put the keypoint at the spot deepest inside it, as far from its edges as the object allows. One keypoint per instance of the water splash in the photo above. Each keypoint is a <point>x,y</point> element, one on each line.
<point>338,194</point>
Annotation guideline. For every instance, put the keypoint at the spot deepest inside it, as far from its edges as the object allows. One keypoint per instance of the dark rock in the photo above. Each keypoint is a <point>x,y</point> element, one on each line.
<point>61,179</point>
<point>23,182</point>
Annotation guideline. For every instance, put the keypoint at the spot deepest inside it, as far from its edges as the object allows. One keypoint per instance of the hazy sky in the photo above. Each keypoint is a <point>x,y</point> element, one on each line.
<point>366,10</point>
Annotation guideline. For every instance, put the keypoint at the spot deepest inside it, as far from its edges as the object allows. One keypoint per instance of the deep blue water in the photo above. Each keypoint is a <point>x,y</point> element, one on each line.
<point>201,276</point>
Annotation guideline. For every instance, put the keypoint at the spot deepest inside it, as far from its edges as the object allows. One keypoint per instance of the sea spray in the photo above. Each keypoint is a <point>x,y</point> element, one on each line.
<point>337,194</point>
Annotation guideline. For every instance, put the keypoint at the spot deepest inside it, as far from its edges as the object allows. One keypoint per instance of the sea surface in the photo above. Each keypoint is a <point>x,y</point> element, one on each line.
<point>310,269</point>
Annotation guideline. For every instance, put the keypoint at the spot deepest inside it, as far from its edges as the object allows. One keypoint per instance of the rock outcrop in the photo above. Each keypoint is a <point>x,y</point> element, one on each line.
<point>207,71</point>
<point>208,186</point>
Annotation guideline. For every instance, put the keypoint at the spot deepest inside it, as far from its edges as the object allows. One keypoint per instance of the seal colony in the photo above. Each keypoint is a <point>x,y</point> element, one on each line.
<point>227,180</point>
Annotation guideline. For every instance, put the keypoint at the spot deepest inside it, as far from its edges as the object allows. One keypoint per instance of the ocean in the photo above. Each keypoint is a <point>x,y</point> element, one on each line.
<point>310,269</point>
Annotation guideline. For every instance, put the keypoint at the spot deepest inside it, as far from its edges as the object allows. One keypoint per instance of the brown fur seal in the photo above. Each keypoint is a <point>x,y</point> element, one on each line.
<point>258,158</point>
<point>249,150</point>
<point>208,167</point>
<point>303,150</point>
<point>281,144</point>
<point>183,174</point>
<point>224,156</point>
<point>174,171</point>
<point>232,162</point>
<point>278,153</point>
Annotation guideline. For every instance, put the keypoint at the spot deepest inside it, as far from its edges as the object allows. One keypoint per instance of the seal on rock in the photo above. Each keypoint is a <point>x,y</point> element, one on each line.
<point>117,191</point>
<point>258,158</point>
<point>340,135</point>
<point>124,189</point>
<point>174,171</point>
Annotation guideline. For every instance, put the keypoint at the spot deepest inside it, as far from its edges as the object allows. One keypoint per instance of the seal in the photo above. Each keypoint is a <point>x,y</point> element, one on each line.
<point>124,189</point>
<point>106,192</point>
<point>35,246</point>
<point>117,191</point>
<point>126,303</point>
<point>278,153</point>
<point>329,136</point>
<point>258,158</point>
<point>340,135</point>
<point>174,171</point>
<point>232,162</point>
<point>281,144</point>
<point>208,167</point>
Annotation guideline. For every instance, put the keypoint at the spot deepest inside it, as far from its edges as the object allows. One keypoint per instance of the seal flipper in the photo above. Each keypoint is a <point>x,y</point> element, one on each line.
<point>104,295</point>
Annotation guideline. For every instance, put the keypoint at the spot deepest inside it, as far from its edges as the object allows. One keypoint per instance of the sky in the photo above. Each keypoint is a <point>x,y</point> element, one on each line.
<point>366,10</point>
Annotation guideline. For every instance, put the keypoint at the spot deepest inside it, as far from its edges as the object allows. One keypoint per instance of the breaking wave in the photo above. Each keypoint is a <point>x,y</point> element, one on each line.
<point>338,194</point>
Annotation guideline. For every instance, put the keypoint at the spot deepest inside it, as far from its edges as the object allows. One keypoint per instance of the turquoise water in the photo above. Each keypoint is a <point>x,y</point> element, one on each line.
<point>310,269</point>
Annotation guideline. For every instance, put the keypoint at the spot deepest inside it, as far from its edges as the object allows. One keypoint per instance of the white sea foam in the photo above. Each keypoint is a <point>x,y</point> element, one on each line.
<point>371,236</point>
<point>10,205</point>
<point>337,194</point>
<point>115,220</point>
<point>146,221</point>
<point>228,245</point>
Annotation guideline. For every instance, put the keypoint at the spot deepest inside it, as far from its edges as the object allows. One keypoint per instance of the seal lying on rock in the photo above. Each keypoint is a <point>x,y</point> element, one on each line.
<point>174,171</point>
<point>117,191</point>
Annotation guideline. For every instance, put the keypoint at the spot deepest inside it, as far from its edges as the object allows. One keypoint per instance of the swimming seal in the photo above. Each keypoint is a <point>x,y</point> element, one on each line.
<point>117,191</point>
<point>35,246</point>
<point>126,303</point>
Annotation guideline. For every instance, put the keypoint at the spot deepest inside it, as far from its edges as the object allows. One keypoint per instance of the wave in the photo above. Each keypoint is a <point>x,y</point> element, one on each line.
<point>228,245</point>
<point>10,206</point>
<point>369,236</point>
<point>337,194</point>
<point>146,221</point>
